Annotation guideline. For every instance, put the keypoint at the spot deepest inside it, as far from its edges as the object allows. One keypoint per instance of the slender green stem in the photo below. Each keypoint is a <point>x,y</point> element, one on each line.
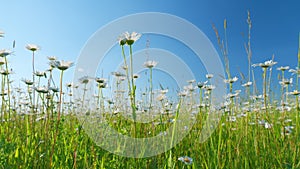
<point>33,85</point>
<point>151,89</point>
<point>60,95</point>
<point>8,86</point>
<point>265,89</point>
<point>133,106</point>
<point>126,68</point>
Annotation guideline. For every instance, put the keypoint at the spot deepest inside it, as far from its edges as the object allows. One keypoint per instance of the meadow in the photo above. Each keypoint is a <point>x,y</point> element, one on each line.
<point>42,125</point>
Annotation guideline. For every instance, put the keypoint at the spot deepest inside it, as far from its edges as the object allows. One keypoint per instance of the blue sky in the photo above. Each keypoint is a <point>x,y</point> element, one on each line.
<point>62,28</point>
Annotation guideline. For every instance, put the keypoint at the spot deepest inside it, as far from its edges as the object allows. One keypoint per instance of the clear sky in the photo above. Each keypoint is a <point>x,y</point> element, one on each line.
<point>62,28</point>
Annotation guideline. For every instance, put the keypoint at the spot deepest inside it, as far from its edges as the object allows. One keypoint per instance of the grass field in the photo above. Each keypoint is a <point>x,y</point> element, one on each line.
<point>42,127</point>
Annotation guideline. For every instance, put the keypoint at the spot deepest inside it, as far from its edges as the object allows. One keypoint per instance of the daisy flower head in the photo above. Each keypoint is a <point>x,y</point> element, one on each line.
<point>62,65</point>
<point>51,58</point>
<point>186,160</point>
<point>4,52</point>
<point>294,71</point>
<point>209,76</point>
<point>100,80</point>
<point>2,61</point>
<point>32,47</point>
<point>285,82</point>
<point>231,80</point>
<point>27,82</point>
<point>266,64</point>
<point>128,38</point>
<point>42,89</point>
<point>5,72</point>
<point>150,64</point>
<point>40,74</point>
<point>295,92</point>
<point>283,68</point>
<point>84,79</point>
<point>201,84</point>
<point>248,84</point>
<point>1,33</point>
<point>122,39</point>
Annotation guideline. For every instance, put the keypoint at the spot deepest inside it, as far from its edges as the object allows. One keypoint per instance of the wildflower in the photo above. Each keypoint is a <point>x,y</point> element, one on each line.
<point>284,108</point>
<point>287,130</point>
<point>5,72</point>
<point>51,58</point>
<point>191,81</point>
<point>4,52</point>
<point>186,160</point>
<point>130,38</point>
<point>189,87</point>
<point>161,97</point>
<point>69,84</point>
<point>54,89</point>
<point>40,73</point>
<point>183,93</point>
<point>62,65</point>
<point>231,119</point>
<point>294,71</point>
<point>32,47</point>
<point>100,80</point>
<point>110,101</point>
<point>231,95</point>
<point>42,89</point>
<point>285,82</point>
<point>264,123</point>
<point>102,85</point>
<point>209,87</point>
<point>27,82</point>
<point>2,61</point>
<point>84,80</point>
<point>1,33</point>
<point>150,64</point>
<point>266,64</point>
<point>201,84</point>
<point>295,92</point>
<point>283,68</point>
<point>231,80</point>
<point>122,39</point>
<point>118,74</point>
<point>248,84</point>
<point>136,76</point>
<point>209,76</point>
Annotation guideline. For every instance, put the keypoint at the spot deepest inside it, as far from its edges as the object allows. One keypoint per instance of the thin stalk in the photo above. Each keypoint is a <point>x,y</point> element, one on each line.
<point>33,85</point>
<point>170,161</point>
<point>265,89</point>
<point>132,94</point>
<point>8,87</point>
<point>151,89</point>
<point>126,69</point>
<point>200,98</point>
<point>60,96</point>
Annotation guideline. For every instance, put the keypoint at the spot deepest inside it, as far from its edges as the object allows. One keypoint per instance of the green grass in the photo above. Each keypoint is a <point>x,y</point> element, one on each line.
<point>230,146</point>
<point>48,134</point>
